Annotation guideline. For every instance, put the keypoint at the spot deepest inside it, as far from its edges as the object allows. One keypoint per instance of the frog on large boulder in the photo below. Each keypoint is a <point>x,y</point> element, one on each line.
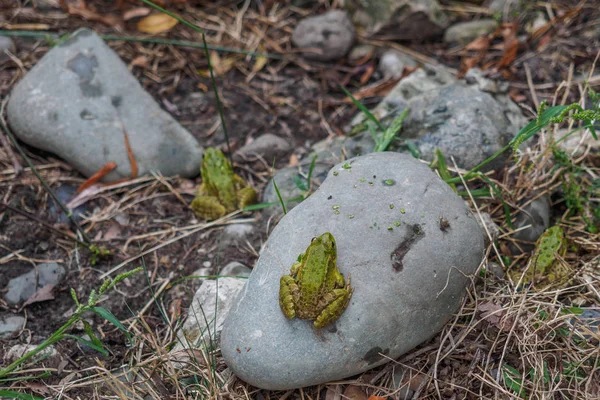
<point>409,244</point>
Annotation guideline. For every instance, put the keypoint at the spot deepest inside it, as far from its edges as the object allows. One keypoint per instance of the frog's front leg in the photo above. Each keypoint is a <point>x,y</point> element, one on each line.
<point>289,292</point>
<point>335,308</point>
<point>208,207</point>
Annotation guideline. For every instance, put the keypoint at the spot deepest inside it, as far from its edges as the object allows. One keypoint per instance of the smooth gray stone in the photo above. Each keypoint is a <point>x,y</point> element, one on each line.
<point>409,274</point>
<point>6,43</point>
<point>78,99</point>
<point>331,32</point>
<point>537,215</point>
<point>267,146</point>
<point>465,32</point>
<point>9,324</point>
<point>22,287</point>
<point>235,268</point>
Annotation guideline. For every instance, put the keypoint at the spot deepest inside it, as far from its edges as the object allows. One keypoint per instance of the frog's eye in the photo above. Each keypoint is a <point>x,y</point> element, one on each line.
<point>313,239</point>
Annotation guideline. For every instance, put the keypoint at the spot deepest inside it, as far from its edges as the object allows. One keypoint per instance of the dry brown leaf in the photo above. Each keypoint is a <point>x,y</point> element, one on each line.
<point>113,232</point>
<point>136,13</point>
<point>156,23</point>
<point>493,313</point>
<point>373,397</point>
<point>480,44</point>
<point>139,61</point>
<point>294,160</point>
<point>42,294</point>
<point>354,393</point>
<point>260,63</point>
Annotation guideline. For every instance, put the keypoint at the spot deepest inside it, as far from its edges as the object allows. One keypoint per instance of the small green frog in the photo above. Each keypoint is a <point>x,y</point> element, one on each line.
<point>315,288</point>
<point>546,268</point>
<point>221,191</point>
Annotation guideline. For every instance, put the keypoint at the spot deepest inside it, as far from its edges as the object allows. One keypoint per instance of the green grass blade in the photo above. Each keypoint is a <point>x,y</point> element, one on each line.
<point>9,394</point>
<point>92,345</point>
<point>364,109</point>
<point>279,196</point>
<point>443,168</point>
<point>107,315</point>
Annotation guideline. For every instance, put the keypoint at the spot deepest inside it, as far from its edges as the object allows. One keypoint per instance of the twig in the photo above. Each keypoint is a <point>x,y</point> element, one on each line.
<point>70,235</point>
<point>35,171</point>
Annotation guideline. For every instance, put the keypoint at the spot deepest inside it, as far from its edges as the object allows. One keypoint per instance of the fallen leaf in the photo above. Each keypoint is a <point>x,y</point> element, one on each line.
<point>373,397</point>
<point>480,44</point>
<point>354,393</point>
<point>260,63</point>
<point>139,61</point>
<point>135,13</point>
<point>493,313</point>
<point>294,160</point>
<point>42,294</point>
<point>113,232</point>
<point>156,23</point>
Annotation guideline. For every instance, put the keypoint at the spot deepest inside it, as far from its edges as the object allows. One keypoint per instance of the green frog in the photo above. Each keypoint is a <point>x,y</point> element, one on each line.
<point>546,268</point>
<point>315,289</point>
<point>221,191</point>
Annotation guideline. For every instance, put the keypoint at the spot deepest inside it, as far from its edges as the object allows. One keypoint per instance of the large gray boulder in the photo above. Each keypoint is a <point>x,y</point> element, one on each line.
<point>77,101</point>
<point>409,244</point>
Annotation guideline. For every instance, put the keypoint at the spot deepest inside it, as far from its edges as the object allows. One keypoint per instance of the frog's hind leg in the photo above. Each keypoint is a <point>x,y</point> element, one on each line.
<point>208,207</point>
<point>289,293</point>
<point>246,197</point>
<point>334,308</point>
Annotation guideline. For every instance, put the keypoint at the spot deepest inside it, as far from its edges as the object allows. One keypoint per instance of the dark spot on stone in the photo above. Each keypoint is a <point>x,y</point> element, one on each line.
<point>327,33</point>
<point>86,114</point>
<point>116,101</point>
<point>330,197</point>
<point>374,176</point>
<point>332,328</point>
<point>89,90</point>
<point>84,66</point>
<point>414,235</point>
<point>373,355</point>
<point>444,224</point>
<point>53,116</point>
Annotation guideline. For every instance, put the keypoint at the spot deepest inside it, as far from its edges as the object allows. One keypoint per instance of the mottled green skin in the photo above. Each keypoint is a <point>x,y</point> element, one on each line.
<point>315,289</point>
<point>546,268</point>
<point>222,191</point>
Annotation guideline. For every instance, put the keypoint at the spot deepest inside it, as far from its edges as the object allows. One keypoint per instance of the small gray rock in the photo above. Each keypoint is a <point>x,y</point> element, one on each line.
<point>237,233</point>
<point>10,324</point>
<point>22,287</point>
<point>8,44</point>
<point>587,322</point>
<point>49,356</point>
<point>331,32</point>
<point>408,273</point>
<point>537,215</point>
<point>449,115</point>
<point>77,101</point>
<point>504,5</point>
<point>235,268</point>
<point>392,64</point>
<point>465,32</point>
<point>208,310</point>
<point>361,51</point>
<point>267,146</point>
